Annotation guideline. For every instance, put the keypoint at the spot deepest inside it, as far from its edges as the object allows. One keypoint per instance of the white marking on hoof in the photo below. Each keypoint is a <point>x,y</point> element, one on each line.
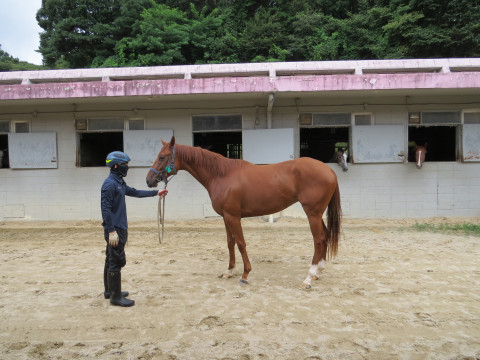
<point>305,286</point>
<point>243,282</point>
<point>228,274</point>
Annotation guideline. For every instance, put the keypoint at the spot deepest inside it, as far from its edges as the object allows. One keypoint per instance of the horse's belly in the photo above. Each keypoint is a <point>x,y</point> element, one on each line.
<point>266,204</point>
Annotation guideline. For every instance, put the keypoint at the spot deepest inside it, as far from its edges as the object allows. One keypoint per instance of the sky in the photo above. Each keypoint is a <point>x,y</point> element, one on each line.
<point>19,29</point>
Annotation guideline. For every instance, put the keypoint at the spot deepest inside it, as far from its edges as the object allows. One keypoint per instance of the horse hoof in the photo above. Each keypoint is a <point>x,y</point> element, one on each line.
<point>305,286</point>
<point>243,282</point>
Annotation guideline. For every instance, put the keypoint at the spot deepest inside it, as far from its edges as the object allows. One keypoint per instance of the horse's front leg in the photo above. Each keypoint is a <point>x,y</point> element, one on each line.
<point>234,227</point>
<point>231,251</point>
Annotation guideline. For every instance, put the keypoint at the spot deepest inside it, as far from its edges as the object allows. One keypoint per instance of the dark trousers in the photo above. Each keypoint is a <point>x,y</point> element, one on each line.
<point>115,258</point>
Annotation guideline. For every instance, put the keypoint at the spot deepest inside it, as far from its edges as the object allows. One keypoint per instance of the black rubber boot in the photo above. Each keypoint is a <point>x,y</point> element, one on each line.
<point>106,293</point>
<point>114,279</point>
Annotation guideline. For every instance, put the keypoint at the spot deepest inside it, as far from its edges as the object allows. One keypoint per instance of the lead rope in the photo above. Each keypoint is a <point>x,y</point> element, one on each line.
<point>161,217</point>
<point>161,200</point>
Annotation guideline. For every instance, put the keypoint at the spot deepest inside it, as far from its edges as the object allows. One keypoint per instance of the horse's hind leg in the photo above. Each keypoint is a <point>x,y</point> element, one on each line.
<point>234,227</point>
<point>320,245</point>
<point>231,252</point>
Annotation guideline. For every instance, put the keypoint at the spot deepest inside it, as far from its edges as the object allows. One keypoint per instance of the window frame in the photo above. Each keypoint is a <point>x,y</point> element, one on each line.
<point>304,124</point>
<point>372,118</point>
<point>13,126</point>
<point>233,151</point>
<point>83,124</point>
<point>457,149</point>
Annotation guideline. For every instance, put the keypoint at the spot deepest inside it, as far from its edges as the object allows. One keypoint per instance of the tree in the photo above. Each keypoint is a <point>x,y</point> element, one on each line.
<point>86,33</point>
<point>78,32</point>
<point>428,28</point>
<point>166,36</point>
<point>9,63</point>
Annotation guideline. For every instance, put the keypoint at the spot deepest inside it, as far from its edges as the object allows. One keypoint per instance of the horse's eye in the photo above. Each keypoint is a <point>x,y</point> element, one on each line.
<point>160,158</point>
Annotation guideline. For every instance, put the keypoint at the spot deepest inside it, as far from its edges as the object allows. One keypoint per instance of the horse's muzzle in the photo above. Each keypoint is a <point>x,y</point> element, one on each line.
<point>151,182</point>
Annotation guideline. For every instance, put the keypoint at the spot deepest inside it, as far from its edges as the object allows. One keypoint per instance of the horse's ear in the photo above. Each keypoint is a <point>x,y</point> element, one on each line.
<point>415,145</point>
<point>425,146</point>
<point>163,142</point>
<point>172,141</point>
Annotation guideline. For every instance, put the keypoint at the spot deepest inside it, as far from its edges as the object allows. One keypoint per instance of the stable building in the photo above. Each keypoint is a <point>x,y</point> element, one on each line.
<point>57,126</point>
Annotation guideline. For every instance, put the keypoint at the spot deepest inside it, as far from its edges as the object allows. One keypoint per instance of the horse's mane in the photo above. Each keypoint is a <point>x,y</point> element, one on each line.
<point>216,163</point>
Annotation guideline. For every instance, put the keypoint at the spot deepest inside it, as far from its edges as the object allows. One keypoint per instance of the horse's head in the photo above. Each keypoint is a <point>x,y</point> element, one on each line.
<point>420,152</point>
<point>164,165</point>
<point>341,158</point>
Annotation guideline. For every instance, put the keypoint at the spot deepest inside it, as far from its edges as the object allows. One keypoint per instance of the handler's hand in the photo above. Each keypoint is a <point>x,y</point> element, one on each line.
<point>163,193</point>
<point>113,239</point>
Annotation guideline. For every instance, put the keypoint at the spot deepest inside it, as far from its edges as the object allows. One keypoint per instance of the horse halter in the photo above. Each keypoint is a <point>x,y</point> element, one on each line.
<point>162,175</point>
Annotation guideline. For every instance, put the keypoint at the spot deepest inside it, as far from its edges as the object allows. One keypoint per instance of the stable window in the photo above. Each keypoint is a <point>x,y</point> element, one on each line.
<point>437,130</point>
<point>471,117</point>
<point>362,119</point>
<point>378,144</point>
<point>21,127</point>
<point>21,149</point>
<point>96,138</point>
<point>219,133</point>
<point>136,124</point>
<point>268,146</point>
<point>322,134</point>
<point>33,150</point>
<point>4,130</point>
<point>471,136</point>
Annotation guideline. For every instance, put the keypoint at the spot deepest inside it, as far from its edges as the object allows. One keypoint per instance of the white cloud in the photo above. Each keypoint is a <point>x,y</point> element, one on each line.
<point>19,30</point>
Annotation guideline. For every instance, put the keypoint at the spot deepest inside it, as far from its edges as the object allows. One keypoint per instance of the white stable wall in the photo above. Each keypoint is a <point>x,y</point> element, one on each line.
<point>367,190</point>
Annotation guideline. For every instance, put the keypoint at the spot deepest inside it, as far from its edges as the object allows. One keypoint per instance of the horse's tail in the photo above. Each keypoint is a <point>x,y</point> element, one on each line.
<point>334,219</point>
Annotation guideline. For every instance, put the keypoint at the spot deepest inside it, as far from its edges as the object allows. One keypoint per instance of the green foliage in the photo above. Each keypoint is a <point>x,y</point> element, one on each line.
<point>465,228</point>
<point>91,33</point>
<point>9,63</point>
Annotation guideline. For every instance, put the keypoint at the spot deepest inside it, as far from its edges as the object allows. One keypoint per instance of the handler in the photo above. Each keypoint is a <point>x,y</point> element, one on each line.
<point>114,214</point>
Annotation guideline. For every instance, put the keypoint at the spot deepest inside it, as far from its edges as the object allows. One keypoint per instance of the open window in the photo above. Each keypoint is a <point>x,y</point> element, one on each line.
<point>322,134</point>
<point>435,129</point>
<point>4,130</point>
<point>219,133</point>
<point>96,138</point>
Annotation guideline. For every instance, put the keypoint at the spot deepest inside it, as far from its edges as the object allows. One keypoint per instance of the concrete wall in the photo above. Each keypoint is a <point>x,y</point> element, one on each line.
<point>368,190</point>
<point>167,97</point>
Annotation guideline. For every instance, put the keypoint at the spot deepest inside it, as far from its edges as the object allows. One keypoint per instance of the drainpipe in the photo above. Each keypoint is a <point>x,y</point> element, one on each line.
<point>269,111</point>
<point>269,126</point>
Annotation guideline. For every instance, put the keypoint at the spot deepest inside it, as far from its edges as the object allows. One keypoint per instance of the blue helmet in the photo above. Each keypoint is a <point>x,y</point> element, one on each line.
<point>117,157</point>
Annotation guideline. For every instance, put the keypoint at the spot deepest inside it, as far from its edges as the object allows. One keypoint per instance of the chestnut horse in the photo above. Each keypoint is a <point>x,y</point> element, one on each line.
<point>239,189</point>
<point>420,152</point>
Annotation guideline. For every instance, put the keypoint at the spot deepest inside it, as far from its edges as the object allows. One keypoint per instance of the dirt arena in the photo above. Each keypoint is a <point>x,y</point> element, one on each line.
<point>392,293</point>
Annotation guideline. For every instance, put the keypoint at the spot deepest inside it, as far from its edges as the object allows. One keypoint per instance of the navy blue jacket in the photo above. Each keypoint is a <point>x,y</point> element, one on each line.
<point>114,210</point>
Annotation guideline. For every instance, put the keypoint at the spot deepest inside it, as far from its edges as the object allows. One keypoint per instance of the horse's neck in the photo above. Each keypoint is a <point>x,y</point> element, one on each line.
<point>199,164</point>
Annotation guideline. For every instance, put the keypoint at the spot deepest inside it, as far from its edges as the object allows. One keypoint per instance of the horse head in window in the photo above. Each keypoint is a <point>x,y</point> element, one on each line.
<point>420,152</point>
<point>340,157</point>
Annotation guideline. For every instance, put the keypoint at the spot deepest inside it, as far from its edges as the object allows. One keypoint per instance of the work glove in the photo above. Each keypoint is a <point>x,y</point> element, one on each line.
<point>113,239</point>
<point>163,193</point>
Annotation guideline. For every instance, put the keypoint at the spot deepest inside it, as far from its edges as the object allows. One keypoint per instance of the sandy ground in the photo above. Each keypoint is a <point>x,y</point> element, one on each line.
<point>391,293</point>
